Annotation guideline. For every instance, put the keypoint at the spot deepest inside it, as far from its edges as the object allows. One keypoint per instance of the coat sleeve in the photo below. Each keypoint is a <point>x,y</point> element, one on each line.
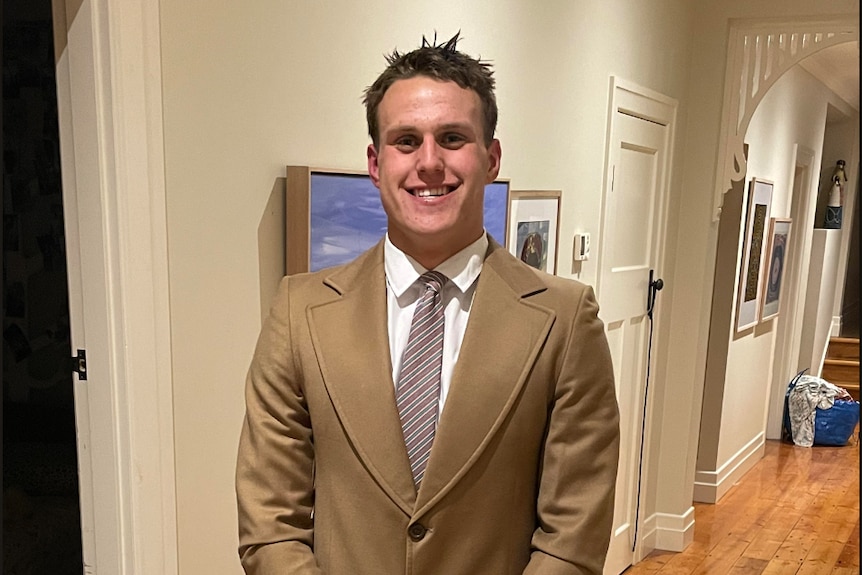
<point>275,463</point>
<point>579,462</point>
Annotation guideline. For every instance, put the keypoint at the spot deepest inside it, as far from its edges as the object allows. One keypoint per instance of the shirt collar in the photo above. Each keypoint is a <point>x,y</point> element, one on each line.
<point>462,269</point>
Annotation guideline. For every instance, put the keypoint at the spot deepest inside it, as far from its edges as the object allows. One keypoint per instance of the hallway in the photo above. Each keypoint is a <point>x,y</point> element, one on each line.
<point>795,513</point>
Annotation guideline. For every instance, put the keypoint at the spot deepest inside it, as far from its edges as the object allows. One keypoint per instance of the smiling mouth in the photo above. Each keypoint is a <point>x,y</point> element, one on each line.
<point>431,192</point>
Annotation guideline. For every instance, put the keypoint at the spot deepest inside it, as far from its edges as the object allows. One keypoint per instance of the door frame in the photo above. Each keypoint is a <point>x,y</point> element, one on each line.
<point>788,331</point>
<point>634,100</point>
<point>108,58</point>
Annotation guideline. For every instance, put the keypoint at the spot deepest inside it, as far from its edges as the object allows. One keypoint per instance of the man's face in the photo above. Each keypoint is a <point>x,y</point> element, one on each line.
<point>431,166</point>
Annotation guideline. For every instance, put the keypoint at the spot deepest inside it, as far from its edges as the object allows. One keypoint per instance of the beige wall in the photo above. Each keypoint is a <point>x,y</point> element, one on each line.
<point>793,113</point>
<point>251,87</point>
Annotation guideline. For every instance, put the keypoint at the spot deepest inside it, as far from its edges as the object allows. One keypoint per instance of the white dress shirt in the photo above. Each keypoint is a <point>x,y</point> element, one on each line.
<point>403,291</point>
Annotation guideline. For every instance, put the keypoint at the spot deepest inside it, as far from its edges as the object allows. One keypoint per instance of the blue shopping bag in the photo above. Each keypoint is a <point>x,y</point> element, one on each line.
<point>832,426</point>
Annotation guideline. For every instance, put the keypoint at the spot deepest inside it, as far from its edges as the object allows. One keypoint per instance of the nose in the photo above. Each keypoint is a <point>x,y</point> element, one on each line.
<point>429,159</point>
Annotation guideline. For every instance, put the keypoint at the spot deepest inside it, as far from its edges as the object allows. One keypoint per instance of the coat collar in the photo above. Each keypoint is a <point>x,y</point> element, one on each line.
<point>357,370</point>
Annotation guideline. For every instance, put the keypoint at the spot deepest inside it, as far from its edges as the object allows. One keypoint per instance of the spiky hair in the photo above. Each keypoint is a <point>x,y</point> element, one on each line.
<point>440,61</point>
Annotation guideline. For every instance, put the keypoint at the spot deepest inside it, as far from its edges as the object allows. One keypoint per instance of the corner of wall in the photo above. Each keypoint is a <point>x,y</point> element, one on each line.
<point>674,532</point>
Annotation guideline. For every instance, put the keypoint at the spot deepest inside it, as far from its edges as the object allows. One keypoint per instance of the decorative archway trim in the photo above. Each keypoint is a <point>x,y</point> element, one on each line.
<point>758,54</point>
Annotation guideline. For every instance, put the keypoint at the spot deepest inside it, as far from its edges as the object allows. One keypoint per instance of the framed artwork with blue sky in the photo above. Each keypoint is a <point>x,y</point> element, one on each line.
<point>333,216</point>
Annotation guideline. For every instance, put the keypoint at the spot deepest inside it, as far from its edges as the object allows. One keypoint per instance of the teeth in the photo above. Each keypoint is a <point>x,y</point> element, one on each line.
<point>433,192</point>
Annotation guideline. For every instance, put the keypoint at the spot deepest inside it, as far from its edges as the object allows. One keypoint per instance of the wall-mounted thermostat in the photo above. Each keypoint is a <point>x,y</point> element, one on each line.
<point>582,247</point>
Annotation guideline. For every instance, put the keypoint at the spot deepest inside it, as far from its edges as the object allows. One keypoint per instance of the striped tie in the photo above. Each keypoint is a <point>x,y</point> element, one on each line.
<point>418,391</point>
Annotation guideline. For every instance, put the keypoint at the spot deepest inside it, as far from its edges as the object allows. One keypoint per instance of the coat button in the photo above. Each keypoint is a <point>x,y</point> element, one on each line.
<point>416,532</point>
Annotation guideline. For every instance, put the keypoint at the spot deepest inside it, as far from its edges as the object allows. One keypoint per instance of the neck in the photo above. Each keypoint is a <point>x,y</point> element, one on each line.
<point>431,258</point>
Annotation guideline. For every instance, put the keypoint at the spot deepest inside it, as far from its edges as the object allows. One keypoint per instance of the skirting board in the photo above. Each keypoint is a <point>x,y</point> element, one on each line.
<point>667,532</point>
<point>711,486</point>
<point>835,328</point>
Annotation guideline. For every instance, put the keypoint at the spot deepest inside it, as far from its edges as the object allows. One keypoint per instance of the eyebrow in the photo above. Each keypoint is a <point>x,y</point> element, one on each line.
<point>462,126</point>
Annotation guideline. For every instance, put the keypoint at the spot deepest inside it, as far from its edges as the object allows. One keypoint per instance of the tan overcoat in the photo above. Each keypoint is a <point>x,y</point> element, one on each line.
<point>522,470</point>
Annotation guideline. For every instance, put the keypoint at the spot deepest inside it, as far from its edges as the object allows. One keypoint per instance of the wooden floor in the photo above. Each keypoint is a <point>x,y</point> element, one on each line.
<point>795,513</point>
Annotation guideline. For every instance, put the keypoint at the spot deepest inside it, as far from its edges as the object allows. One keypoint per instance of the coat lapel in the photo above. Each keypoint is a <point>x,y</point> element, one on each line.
<point>503,338</point>
<point>357,371</point>
<point>350,338</point>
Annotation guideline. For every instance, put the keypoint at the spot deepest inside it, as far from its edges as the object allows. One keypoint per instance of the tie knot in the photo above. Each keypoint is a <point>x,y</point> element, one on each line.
<point>433,280</point>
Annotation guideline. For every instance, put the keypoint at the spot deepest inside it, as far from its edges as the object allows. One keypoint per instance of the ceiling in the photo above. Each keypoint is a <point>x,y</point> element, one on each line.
<point>838,68</point>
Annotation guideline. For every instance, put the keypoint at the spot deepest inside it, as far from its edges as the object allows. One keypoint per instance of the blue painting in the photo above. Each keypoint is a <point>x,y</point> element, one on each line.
<point>497,210</point>
<point>347,217</point>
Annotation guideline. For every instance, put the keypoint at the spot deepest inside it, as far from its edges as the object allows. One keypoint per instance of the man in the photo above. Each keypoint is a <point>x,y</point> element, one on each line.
<point>500,457</point>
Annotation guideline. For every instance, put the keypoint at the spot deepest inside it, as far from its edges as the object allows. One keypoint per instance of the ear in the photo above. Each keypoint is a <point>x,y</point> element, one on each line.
<point>373,166</point>
<point>494,153</point>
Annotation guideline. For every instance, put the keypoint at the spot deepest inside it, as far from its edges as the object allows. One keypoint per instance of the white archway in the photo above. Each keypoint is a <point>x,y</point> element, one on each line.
<point>758,53</point>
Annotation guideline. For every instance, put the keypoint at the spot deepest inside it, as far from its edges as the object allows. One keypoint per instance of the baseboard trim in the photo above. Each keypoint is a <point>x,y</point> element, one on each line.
<point>835,328</point>
<point>647,541</point>
<point>672,532</point>
<point>711,486</point>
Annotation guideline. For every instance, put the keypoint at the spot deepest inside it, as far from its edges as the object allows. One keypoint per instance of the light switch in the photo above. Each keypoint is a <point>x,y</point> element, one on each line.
<point>582,247</point>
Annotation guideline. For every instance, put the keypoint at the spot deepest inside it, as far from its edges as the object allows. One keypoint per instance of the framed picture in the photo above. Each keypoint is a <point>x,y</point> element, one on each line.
<point>534,228</point>
<point>776,255</point>
<point>750,292</point>
<point>333,216</point>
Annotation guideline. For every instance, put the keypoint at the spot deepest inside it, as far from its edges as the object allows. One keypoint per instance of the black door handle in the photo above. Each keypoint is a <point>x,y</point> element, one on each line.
<point>653,287</point>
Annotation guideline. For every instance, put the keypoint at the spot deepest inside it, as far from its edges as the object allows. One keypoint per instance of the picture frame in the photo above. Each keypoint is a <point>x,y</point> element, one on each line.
<point>534,227</point>
<point>776,256</point>
<point>332,216</point>
<point>750,290</point>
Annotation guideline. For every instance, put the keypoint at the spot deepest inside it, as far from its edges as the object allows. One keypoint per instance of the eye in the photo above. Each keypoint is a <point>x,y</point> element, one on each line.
<point>452,140</point>
<point>406,143</point>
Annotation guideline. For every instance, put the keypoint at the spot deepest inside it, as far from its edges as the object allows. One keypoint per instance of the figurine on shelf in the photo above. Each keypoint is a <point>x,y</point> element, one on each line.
<point>836,198</point>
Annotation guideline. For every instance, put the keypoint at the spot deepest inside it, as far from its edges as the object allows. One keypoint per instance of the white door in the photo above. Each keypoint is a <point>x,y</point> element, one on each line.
<point>109,105</point>
<point>632,227</point>
<point>88,308</point>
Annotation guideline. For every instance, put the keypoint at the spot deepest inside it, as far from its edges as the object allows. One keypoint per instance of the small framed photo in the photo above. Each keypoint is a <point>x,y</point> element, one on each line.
<point>776,255</point>
<point>750,292</point>
<point>534,228</point>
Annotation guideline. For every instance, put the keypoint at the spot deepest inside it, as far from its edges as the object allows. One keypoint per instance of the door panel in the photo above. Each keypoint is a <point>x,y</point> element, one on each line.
<point>630,236</point>
<point>79,123</point>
